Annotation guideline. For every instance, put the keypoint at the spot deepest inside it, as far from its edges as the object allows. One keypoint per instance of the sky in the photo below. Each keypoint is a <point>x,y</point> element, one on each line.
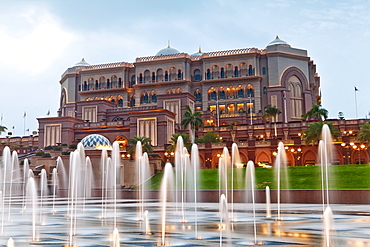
<point>39,40</point>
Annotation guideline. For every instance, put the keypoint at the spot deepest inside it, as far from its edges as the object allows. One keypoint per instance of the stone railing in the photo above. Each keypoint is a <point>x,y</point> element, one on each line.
<point>232,52</point>
<point>108,65</point>
<point>153,58</point>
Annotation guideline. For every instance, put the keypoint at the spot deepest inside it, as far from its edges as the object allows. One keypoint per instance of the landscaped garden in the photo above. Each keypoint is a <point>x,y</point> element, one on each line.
<point>300,177</point>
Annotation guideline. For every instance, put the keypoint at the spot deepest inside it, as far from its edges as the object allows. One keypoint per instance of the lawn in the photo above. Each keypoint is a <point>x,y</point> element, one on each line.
<point>302,177</point>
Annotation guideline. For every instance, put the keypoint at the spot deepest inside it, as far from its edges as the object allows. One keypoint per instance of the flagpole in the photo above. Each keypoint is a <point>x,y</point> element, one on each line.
<point>356,101</point>
<point>24,123</point>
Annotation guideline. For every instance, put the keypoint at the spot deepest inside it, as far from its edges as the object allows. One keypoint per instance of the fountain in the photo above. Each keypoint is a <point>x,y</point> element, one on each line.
<point>76,221</point>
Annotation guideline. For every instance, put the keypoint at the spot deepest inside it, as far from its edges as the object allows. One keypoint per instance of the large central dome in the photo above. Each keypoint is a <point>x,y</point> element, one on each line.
<point>167,51</point>
<point>95,141</point>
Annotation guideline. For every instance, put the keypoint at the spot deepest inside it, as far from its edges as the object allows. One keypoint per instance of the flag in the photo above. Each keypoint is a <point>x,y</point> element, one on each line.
<point>25,114</point>
<point>356,89</point>
<point>48,113</point>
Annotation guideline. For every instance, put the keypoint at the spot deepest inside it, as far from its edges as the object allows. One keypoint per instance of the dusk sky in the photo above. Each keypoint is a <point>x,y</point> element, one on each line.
<point>41,39</point>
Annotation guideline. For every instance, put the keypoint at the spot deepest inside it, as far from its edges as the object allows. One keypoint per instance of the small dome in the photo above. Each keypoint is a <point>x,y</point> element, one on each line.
<point>167,51</point>
<point>199,53</point>
<point>95,141</point>
<point>278,41</point>
<point>82,63</point>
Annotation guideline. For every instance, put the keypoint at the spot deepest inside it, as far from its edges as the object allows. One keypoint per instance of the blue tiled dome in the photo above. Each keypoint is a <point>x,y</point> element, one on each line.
<point>82,63</point>
<point>95,141</point>
<point>278,41</point>
<point>167,51</point>
<point>199,53</point>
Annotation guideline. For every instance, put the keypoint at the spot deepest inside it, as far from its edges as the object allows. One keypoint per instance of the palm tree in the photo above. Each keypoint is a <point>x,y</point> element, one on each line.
<point>210,136</point>
<point>145,144</point>
<point>363,134</point>
<point>312,134</point>
<point>173,142</point>
<point>316,112</point>
<point>192,119</point>
<point>272,112</point>
<point>2,129</point>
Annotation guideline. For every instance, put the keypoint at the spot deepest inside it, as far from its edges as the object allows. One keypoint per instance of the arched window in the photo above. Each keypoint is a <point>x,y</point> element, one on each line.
<point>229,71</point>
<point>146,76</point>
<point>264,90</point>
<point>153,77</point>
<point>212,95</point>
<point>215,72</point>
<point>296,98</point>
<point>114,81</point>
<point>133,80</point>
<point>120,101</point>
<point>221,93</point>
<point>197,75</point>
<point>90,84</point>
<point>97,85</point>
<point>198,95</point>
<point>230,92</point>
<point>178,90</point>
<point>179,75</point>
<point>120,82</point>
<point>140,78</point>
<point>240,92</point>
<point>85,86</point>
<point>169,91</point>
<point>173,74</point>
<point>222,73</point>
<point>236,71</point>
<point>159,75</point>
<point>263,70</point>
<point>243,69</point>
<point>166,76</point>
<point>102,82</point>
<point>208,75</point>
<point>153,97</point>
<point>132,101</point>
<point>108,84</point>
<point>79,86</point>
<point>250,70</point>
<point>250,91</point>
<point>144,99</point>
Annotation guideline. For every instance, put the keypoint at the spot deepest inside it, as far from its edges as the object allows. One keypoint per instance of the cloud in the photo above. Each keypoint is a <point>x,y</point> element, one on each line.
<point>32,40</point>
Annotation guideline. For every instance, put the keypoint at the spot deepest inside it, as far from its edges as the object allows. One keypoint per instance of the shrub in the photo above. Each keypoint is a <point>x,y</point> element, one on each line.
<point>72,146</point>
<point>48,148</point>
<point>46,155</point>
<point>57,148</point>
<point>64,145</point>
<point>40,153</point>
<point>66,153</point>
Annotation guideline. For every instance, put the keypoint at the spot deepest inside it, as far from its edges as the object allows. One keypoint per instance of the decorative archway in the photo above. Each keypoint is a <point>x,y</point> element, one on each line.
<point>309,158</point>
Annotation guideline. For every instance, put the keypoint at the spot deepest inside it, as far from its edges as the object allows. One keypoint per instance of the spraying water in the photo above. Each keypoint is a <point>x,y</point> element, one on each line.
<point>268,202</point>
<point>166,186</point>
<point>250,185</point>
<point>325,158</point>
<point>281,175</point>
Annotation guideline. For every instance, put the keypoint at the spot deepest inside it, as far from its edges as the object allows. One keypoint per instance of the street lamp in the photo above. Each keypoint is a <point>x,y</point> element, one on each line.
<point>359,148</point>
<point>297,155</point>
<point>347,147</point>
<point>169,155</point>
